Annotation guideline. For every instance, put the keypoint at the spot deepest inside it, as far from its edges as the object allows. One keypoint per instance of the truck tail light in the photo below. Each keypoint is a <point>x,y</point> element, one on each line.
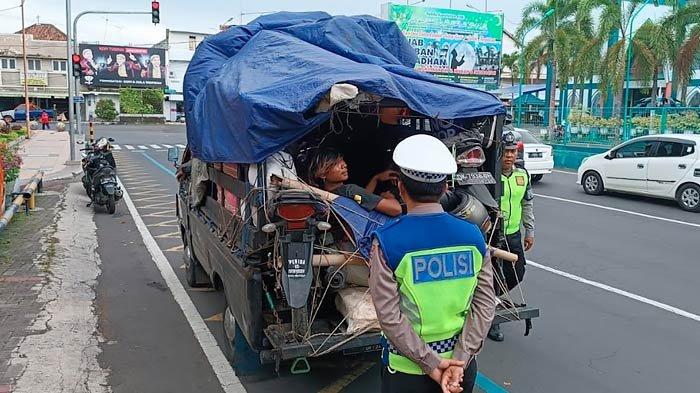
<point>296,215</point>
<point>472,158</point>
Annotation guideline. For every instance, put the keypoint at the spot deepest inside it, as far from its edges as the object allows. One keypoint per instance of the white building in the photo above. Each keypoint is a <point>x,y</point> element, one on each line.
<point>180,47</point>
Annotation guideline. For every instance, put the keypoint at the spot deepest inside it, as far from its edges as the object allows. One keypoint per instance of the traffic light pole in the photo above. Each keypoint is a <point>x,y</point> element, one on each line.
<point>71,80</point>
<point>75,50</point>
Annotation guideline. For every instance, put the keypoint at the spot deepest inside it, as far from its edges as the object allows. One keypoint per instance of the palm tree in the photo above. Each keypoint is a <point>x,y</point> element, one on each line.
<point>614,16</point>
<point>510,61</point>
<point>542,48</point>
<point>653,47</point>
<point>684,24</point>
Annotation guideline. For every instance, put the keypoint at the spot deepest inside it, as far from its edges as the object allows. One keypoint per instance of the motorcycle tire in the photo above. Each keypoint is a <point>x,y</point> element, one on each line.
<point>111,204</point>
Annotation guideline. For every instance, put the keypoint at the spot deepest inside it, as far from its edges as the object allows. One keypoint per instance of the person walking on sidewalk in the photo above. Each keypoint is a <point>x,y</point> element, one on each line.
<point>517,210</point>
<point>431,281</point>
<point>44,119</point>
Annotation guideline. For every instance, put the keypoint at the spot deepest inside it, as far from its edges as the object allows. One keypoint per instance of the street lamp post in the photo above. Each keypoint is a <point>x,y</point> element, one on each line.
<point>521,65</point>
<point>628,70</point>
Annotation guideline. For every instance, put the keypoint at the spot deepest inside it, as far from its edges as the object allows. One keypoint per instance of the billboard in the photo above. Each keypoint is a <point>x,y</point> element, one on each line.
<point>122,66</point>
<point>456,45</point>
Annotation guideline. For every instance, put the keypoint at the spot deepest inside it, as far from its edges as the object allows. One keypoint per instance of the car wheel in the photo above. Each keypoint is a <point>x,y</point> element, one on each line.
<point>592,183</point>
<point>688,197</point>
<point>193,270</point>
<point>229,328</point>
<point>536,178</point>
<point>8,119</point>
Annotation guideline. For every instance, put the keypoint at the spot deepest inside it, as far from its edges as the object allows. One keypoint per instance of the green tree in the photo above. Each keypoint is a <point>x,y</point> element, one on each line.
<point>542,49</point>
<point>653,47</point>
<point>684,25</point>
<point>106,110</point>
<point>510,61</point>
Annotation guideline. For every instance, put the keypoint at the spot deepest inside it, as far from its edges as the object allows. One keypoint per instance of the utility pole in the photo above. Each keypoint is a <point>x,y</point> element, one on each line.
<point>26,76</point>
<point>69,55</point>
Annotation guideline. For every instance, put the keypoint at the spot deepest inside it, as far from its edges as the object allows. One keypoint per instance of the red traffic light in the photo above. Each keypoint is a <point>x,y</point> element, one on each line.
<point>155,5</point>
<point>75,58</point>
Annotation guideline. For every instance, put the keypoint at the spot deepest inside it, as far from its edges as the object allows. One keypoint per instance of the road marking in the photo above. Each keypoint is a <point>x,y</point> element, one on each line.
<point>215,318</point>
<point>173,235</point>
<point>347,379</point>
<point>617,291</point>
<point>180,146</point>
<point>487,385</point>
<point>167,146</point>
<point>175,249</point>
<point>116,147</point>
<point>564,172</point>
<point>129,147</point>
<point>154,146</point>
<point>159,165</point>
<point>142,147</point>
<point>690,224</point>
<point>227,378</point>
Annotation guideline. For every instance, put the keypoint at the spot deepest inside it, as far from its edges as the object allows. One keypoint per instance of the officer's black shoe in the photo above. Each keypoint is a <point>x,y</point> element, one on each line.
<point>495,333</point>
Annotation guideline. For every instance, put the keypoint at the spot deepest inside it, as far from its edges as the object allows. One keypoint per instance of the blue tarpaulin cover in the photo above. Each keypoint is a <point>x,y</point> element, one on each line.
<point>250,90</point>
<point>362,222</point>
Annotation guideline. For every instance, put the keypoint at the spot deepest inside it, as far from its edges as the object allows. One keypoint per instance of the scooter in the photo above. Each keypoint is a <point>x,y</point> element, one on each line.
<point>100,178</point>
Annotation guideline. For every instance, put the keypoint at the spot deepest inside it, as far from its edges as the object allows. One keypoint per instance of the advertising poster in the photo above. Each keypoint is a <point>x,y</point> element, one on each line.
<point>122,66</point>
<point>456,45</point>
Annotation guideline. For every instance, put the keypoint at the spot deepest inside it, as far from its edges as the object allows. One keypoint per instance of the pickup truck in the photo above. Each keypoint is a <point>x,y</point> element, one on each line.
<point>19,113</point>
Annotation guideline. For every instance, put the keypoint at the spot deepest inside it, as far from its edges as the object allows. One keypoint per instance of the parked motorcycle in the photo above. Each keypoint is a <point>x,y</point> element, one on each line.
<point>100,176</point>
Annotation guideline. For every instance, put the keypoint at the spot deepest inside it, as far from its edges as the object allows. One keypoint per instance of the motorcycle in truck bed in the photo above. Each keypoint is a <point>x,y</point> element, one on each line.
<point>291,260</point>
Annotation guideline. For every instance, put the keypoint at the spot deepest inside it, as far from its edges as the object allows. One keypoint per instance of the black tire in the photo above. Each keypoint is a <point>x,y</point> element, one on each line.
<point>537,178</point>
<point>111,204</point>
<point>592,183</point>
<point>228,324</point>
<point>688,197</point>
<point>193,270</point>
<point>8,119</point>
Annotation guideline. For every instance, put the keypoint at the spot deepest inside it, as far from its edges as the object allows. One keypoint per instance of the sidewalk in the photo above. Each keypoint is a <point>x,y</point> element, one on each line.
<point>48,151</point>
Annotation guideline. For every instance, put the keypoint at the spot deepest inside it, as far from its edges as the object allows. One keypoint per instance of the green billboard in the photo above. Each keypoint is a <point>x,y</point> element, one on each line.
<point>455,45</point>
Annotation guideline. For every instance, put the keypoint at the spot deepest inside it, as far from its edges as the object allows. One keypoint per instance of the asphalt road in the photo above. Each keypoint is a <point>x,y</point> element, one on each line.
<point>624,319</point>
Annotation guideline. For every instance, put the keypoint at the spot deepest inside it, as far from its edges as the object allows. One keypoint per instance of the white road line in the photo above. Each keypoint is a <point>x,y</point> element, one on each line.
<point>142,147</point>
<point>227,378</point>
<point>690,224</point>
<point>167,146</point>
<point>116,147</point>
<point>129,147</point>
<point>180,146</point>
<point>155,146</point>
<point>564,172</point>
<point>617,291</point>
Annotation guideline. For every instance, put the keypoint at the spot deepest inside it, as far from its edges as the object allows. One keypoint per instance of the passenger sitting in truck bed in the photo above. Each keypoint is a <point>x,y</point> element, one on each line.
<point>329,171</point>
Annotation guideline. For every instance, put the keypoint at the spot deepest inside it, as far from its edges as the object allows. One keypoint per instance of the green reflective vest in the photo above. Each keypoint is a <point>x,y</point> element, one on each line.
<point>436,307</point>
<point>514,189</point>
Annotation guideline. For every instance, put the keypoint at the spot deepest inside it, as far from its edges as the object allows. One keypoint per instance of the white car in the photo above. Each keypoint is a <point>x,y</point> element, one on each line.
<point>537,156</point>
<point>663,166</point>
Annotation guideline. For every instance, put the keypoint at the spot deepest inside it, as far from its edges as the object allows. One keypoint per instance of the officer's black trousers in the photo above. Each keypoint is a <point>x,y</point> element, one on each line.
<point>511,274</point>
<point>407,383</point>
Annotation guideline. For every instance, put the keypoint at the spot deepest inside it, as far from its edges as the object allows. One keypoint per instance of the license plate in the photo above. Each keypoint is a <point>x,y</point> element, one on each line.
<point>297,263</point>
<point>535,155</point>
<point>474,178</point>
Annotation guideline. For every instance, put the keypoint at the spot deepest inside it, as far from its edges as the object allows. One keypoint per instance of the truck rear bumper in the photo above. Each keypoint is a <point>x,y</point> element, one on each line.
<point>367,342</point>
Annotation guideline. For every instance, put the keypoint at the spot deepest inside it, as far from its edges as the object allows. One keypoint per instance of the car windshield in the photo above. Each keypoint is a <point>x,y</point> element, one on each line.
<point>528,137</point>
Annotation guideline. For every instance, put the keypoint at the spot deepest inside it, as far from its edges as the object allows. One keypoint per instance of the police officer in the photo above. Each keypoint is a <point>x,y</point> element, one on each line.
<point>431,281</point>
<point>517,210</point>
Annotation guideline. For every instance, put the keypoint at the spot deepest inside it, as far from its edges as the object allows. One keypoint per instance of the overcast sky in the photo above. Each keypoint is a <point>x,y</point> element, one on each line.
<point>206,15</point>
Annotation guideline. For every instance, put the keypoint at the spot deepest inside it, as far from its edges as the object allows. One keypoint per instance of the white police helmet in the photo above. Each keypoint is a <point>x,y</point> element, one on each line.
<point>424,158</point>
<point>101,144</point>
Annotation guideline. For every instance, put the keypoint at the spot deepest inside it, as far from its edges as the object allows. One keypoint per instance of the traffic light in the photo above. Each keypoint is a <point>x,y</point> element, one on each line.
<point>155,12</point>
<point>77,68</point>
